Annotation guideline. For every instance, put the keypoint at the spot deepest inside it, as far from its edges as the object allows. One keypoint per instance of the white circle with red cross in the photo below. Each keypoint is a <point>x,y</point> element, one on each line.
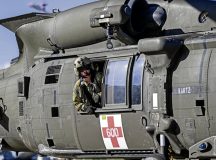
<point>112,131</point>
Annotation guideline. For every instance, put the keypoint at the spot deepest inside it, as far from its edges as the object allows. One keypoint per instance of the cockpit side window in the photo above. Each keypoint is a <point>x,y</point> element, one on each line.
<point>116,81</point>
<point>137,75</point>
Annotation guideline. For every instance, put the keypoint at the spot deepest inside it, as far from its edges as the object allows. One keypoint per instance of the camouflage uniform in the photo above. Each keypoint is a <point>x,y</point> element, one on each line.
<point>80,100</point>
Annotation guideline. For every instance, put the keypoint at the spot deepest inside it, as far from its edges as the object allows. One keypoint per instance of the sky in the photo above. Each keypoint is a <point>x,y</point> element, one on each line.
<point>11,8</point>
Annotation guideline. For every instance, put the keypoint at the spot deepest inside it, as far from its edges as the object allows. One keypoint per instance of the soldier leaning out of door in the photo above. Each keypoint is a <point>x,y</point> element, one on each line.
<point>87,89</point>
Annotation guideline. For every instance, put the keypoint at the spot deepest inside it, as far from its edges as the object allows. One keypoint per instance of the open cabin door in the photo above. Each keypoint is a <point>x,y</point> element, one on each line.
<point>120,123</point>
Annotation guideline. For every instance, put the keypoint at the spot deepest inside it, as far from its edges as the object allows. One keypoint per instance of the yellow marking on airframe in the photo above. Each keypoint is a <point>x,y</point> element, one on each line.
<point>103,117</point>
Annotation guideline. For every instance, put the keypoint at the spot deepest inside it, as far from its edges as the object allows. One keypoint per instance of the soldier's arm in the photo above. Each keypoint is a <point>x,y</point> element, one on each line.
<point>79,105</point>
<point>77,101</point>
<point>97,95</point>
<point>100,78</point>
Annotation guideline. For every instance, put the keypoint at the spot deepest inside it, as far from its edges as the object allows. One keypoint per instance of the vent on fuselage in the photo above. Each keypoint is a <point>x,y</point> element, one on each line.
<point>21,108</point>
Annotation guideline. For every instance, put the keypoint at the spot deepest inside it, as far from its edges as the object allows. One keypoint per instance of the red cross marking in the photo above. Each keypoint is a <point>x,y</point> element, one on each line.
<point>112,132</point>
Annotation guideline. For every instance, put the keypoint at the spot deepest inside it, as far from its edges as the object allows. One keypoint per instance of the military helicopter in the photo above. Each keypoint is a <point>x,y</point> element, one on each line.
<point>39,7</point>
<point>158,97</point>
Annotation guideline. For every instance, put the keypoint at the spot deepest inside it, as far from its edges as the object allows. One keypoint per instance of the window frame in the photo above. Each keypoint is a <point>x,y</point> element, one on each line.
<point>141,105</point>
<point>127,106</point>
<point>25,82</point>
<point>55,74</point>
<point>117,106</point>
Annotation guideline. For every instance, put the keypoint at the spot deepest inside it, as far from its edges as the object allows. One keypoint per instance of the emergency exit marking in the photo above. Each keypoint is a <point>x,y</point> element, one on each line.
<point>112,132</point>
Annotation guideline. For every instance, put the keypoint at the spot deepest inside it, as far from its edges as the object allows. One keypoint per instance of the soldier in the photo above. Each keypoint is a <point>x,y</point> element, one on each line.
<point>87,90</point>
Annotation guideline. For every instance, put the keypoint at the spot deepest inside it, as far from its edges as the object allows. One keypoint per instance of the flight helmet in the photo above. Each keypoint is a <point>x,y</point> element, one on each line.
<point>82,62</point>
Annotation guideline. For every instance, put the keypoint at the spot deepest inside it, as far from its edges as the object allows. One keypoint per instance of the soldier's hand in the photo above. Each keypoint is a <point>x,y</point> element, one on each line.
<point>82,84</point>
<point>90,110</point>
<point>96,97</point>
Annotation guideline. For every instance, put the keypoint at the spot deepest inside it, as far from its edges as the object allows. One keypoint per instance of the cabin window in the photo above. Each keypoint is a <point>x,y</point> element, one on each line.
<point>137,75</point>
<point>115,81</point>
<point>20,88</point>
<point>23,86</point>
<point>52,74</point>
<point>53,69</point>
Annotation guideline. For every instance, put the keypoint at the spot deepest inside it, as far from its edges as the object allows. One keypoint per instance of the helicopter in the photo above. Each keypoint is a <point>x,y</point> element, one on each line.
<point>39,7</point>
<point>158,91</point>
